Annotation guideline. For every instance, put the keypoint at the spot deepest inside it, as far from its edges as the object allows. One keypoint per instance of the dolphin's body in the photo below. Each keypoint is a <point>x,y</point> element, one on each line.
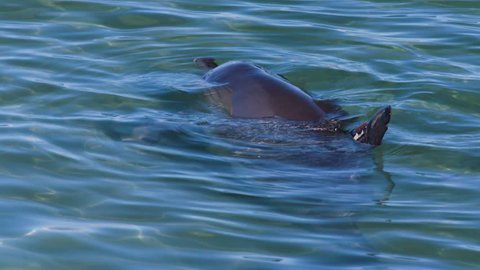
<point>248,91</point>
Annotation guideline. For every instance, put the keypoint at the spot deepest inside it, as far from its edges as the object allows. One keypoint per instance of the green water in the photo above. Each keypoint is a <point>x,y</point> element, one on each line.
<point>111,157</point>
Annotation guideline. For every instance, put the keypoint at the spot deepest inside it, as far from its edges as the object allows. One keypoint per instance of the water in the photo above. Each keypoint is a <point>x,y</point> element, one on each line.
<point>112,158</point>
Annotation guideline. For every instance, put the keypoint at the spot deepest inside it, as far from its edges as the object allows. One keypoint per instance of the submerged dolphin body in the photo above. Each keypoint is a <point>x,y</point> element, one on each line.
<point>248,91</point>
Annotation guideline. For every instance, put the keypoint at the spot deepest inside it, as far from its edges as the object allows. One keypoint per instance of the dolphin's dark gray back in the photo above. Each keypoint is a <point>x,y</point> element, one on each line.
<point>248,91</point>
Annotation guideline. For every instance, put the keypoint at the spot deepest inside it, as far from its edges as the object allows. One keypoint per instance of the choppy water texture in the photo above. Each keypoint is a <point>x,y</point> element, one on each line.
<point>111,157</point>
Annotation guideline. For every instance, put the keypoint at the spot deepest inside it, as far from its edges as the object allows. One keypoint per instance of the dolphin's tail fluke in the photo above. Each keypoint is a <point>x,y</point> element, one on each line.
<point>372,132</point>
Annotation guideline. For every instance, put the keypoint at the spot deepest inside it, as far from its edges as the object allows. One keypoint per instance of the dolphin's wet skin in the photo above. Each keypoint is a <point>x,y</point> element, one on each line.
<point>248,91</point>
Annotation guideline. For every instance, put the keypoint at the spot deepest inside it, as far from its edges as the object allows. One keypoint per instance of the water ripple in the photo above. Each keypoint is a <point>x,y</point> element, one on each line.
<point>113,158</point>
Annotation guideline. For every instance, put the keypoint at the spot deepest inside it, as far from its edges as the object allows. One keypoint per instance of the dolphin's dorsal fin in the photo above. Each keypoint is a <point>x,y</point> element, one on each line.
<point>372,132</point>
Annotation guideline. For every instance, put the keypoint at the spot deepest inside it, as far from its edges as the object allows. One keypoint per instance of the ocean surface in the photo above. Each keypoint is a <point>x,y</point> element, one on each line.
<point>113,158</point>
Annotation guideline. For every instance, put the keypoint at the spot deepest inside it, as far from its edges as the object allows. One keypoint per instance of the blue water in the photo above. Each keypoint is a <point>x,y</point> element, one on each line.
<point>112,157</point>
